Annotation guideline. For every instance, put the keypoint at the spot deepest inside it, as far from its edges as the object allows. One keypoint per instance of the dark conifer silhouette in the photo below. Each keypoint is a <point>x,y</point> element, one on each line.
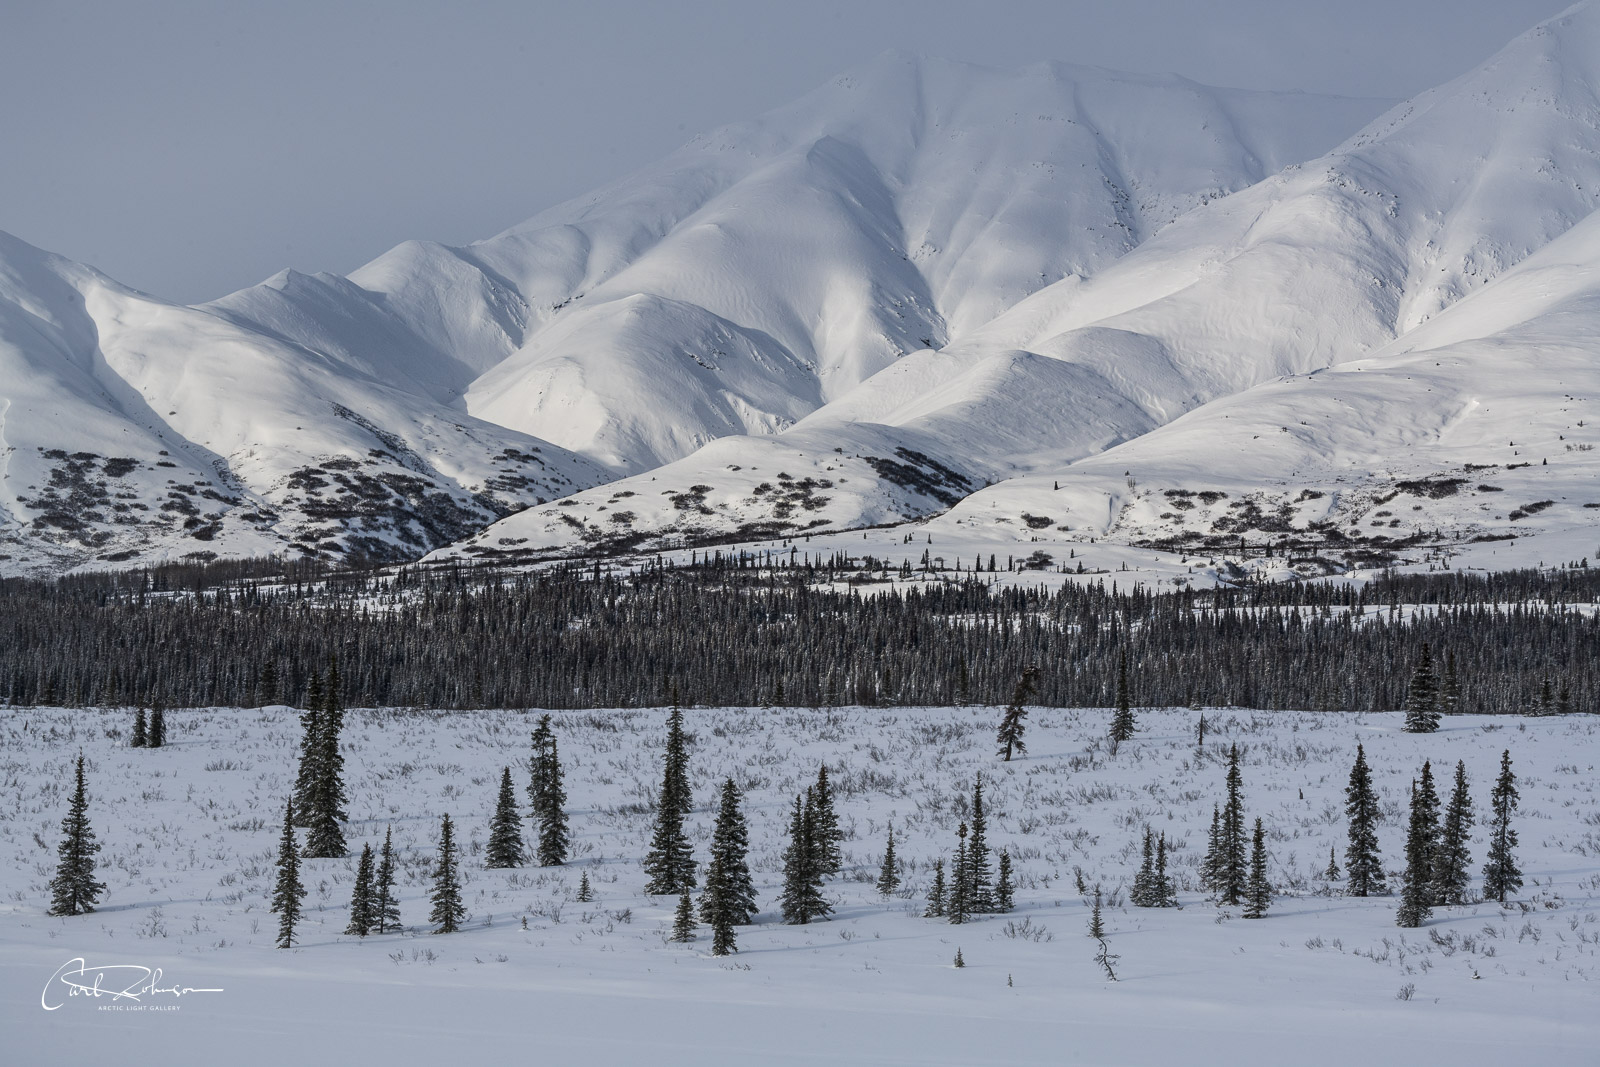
<point>670,861</point>
<point>1452,861</point>
<point>1422,831</point>
<point>729,890</point>
<point>889,871</point>
<point>1501,876</point>
<point>683,920</point>
<point>1123,723</point>
<point>936,892</point>
<point>1003,889</point>
<point>1422,696</point>
<point>363,912</point>
<point>1212,866</point>
<point>1258,894</point>
<point>585,890</point>
<point>802,900</point>
<point>141,731</point>
<point>287,891</point>
<point>547,797</point>
<point>980,891</point>
<point>448,911</point>
<point>385,904</point>
<point>1234,874</point>
<point>74,891</point>
<point>1363,865</point>
<point>157,735</point>
<point>1012,723</point>
<point>959,902</point>
<point>828,835</point>
<point>505,829</point>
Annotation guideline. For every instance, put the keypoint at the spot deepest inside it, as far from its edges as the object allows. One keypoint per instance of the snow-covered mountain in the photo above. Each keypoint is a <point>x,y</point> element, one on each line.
<point>1239,315</point>
<point>1041,304</point>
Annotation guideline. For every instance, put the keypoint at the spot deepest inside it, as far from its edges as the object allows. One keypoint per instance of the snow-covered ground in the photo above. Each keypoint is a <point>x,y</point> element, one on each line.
<point>189,834</point>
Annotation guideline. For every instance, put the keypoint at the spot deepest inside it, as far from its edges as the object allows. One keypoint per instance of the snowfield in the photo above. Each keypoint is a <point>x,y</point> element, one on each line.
<point>189,833</point>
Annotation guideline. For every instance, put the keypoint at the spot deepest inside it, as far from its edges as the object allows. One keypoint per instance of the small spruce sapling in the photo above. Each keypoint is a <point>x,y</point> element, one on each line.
<point>448,910</point>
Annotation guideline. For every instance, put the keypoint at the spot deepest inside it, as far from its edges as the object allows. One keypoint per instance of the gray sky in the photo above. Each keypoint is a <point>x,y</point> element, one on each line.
<point>192,149</point>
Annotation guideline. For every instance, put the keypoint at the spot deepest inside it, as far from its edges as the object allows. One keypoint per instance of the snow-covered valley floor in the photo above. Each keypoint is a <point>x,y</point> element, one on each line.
<point>189,833</point>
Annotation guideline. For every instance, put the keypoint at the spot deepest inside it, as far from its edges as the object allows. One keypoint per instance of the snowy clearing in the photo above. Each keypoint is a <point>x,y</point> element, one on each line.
<point>190,830</point>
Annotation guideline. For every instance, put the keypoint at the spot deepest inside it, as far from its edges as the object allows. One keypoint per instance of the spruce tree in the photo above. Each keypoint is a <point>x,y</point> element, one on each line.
<point>1453,859</point>
<point>1143,894</point>
<point>1501,876</point>
<point>888,872</point>
<point>1003,889</point>
<point>286,893</point>
<point>141,733</point>
<point>1450,687</point>
<point>1331,872</point>
<point>448,911</point>
<point>157,735</point>
<point>585,890</point>
<point>547,797</point>
<point>802,900</point>
<point>959,904</point>
<point>305,781</point>
<point>936,892</point>
<point>1363,867</point>
<point>723,941</point>
<point>670,861</point>
<point>729,887</point>
<point>267,683</point>
<point>1097,926</point>
<point>1416,891</point>
<point>1212,866</point>
<point>1234,873</point>
<point>1166,891</point>
<point>829,855</point>
<point>980,893</point>
<point>1422,697</point>
<point>74,891</point>
<point>1123,724</point>
<point>1012,725</point>
<point>385,904</point>
<point>505,829</point>
<point>683,920</point>
<point>1258,894</point>
<point>362,911</point>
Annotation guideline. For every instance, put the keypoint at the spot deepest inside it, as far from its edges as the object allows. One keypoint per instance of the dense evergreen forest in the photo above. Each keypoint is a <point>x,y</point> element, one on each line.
<point>753,630</point>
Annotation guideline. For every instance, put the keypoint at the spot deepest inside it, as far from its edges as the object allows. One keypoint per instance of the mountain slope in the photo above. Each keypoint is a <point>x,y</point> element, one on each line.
<point>134,429</point>
<point>1312,268</point>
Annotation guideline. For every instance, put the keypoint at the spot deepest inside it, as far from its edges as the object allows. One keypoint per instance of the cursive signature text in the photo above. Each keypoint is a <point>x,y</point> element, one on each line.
<point>119,981</point>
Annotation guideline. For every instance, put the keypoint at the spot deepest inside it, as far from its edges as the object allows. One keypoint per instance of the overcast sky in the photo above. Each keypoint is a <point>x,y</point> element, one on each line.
<point>192,149</point>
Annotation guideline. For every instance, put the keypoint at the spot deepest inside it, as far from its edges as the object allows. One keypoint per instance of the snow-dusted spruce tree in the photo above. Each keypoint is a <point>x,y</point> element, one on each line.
<point>1123,724</point>
<point>1453,859</point>
<point>74,891</point>
<point>1422,696</point>
<point>158,725</point>
<point>1450,687</point>
<point>803,900</point>
<point>683,920</point>
<point>959,903</point>
<point>936,892</point>
<point>980,891</point>
<point>1211,867</point>
<point>448,911</point>
<point>287,890</point>
<point>547,797</point>
<point>1003,889</point>
<point>585,890</point>
<point>1501,876</point>
<point>670,861</point>
<point>505,829</point>
<point>385,904</point>
<point>1363,866</point>
<point>829,855</point>
<point>1166,890</point>
<point>1258,894</point>
<point>141,730</point>
<point>1143,894</point>
<point>888,871</point>
<point>1234,873</point>
<point>305,780</point>
<point>1416,891</point>
<point>1097,926</point>
<point>729,890</point>
<point>362,912</point>
<point>1331,872</point>
<point>1012,724</point>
